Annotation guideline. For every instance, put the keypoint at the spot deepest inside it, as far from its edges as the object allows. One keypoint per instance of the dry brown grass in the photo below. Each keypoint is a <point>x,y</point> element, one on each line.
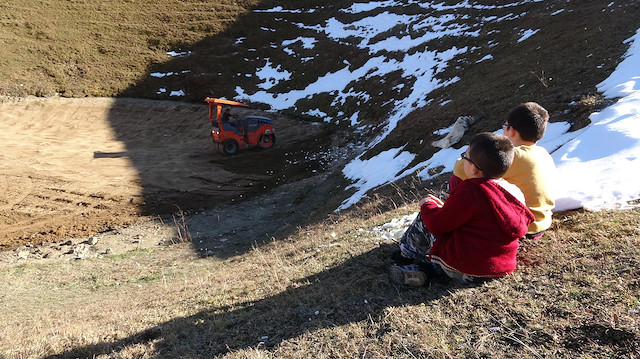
<point>323,292</point>
<point>92,48</point>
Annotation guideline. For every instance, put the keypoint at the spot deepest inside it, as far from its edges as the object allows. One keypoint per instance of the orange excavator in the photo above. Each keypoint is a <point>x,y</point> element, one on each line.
<point>250,131</point>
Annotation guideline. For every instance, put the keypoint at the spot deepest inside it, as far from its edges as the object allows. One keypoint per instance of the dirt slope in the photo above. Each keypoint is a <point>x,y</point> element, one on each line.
<point>72,167</point>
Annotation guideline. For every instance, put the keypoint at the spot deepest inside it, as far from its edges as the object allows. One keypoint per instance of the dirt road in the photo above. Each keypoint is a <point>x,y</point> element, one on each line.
<point>75,167</point>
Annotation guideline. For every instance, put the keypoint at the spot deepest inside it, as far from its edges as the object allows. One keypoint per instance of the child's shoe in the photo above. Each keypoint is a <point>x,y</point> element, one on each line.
<point>399,259</point>
<point>410,275</point>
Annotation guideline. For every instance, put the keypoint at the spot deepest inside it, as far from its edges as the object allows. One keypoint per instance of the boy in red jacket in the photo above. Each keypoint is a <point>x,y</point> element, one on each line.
<point>474,234</point>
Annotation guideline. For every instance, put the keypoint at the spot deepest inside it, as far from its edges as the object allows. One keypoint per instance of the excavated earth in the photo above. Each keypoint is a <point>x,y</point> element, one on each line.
<point>76,172</point>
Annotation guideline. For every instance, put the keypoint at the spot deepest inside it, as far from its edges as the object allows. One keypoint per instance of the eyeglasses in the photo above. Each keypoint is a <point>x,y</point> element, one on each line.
<point>506,125</point>
<point>463,155</point>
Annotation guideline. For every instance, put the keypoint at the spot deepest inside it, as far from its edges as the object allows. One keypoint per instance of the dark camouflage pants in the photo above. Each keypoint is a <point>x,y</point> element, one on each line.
<point>416,242</point>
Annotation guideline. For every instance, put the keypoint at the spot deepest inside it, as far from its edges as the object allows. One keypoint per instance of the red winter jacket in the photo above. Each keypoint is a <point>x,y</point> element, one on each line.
<point>477,228</point>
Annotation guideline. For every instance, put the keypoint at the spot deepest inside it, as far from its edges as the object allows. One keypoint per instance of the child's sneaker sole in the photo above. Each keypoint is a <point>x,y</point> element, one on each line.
<point>408,275</point>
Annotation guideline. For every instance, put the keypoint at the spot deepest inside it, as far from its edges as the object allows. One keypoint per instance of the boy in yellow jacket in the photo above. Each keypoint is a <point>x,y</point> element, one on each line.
<point>533,169</point>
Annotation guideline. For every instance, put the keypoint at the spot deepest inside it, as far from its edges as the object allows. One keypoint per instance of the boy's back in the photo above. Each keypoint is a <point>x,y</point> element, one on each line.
<point>533,171</point>
<point>478,228</point>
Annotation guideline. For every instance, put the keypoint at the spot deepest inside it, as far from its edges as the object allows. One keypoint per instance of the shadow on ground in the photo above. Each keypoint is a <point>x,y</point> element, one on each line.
<point>181,170</point>
<point>352,292</point>
<point>227,64</point>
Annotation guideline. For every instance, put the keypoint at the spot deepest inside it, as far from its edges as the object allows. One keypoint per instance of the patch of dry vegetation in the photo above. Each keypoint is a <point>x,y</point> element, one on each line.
<point>95,48</point>
<point>323,292</point>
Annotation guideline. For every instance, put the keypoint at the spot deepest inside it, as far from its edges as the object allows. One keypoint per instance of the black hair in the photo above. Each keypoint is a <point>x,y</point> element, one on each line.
<point>492,153</point>
<point>530,120</point>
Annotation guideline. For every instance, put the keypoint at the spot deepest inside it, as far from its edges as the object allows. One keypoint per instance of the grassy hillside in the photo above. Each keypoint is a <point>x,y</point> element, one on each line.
<point>93,48</point>
<point>321,290</point>
<point>83,48</point>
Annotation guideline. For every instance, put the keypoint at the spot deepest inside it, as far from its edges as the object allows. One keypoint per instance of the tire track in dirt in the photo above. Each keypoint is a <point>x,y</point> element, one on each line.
<point>76,167</point>
<point>47,208</point>
<point>14,189</point>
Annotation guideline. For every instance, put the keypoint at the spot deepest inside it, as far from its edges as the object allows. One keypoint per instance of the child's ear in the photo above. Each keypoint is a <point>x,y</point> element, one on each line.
<point>475,172</point>
<point>513,135</point>
<point>508,131</point>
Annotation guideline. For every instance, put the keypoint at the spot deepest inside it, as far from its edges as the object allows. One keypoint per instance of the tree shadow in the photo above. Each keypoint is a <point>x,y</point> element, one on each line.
<point>351,292</point>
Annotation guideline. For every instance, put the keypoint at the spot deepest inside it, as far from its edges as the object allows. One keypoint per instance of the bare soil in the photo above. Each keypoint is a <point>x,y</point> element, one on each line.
<point>73,168</point>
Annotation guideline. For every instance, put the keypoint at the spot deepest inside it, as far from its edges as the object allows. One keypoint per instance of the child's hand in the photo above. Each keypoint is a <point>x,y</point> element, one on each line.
<point>432,198</point>
<point>436,200</point>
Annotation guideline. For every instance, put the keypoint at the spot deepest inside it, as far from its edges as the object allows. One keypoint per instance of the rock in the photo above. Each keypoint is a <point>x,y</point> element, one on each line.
<point>92,241</point>
<point>23,254</point>
<point>461,126</point>
<point>138,201</point>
